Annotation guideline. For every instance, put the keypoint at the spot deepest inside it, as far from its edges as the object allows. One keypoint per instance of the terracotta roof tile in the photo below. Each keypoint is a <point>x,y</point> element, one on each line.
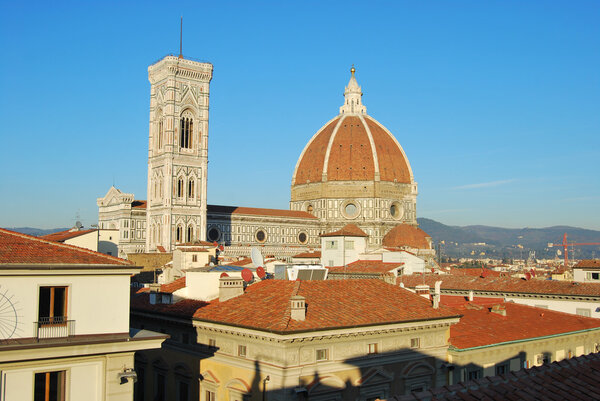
<point>173,286</point>
<point>481,326</point>
<point>503,284</point>
<point>570,379</point>
<point>139,204</point>
<point>17,248</point>
<point>310,167</point>
<point>588,264</point>
<point>315,254</point>
<point>241,262</point>
<point>365,266</point>
<point>406,235</point>
<point>349,230</point>
<point>330,304</point>
<point>259,211</point>
<point>392,162</point>
<point>62,236</point>
<point>475,272</point>
<point>183,308</point>
<point>350,155</point>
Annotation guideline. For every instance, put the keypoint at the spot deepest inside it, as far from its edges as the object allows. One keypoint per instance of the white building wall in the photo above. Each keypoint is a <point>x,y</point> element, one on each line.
<point>87,241</point>
<point>412,264</point>
<point>98,304</point>
<point>560,305</point>
<point>341,251</point>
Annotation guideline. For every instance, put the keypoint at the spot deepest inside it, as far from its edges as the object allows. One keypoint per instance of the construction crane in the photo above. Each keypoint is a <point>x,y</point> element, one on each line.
<point>566,246</point>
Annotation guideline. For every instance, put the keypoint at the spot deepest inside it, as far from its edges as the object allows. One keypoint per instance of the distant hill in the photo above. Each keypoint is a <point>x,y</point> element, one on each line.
<point>36,232</point>
<point>508,242</point>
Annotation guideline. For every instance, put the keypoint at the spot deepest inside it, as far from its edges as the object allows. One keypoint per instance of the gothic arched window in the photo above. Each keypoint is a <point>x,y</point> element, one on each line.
<point>186,130</point>
<point>179,234</point>
<point>191,189</point>
<point>160,134</point>
<point>190,234</point>
<point>180,188</point>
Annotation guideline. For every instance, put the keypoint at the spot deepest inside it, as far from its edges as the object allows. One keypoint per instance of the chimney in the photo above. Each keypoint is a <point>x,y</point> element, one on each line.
<point>498,309</point>
<point>422,290</point>
<point>437,294</point>
<point>389,278</point>
<point>230,287</point>
<point>471,295</point>
<point>297,308</point>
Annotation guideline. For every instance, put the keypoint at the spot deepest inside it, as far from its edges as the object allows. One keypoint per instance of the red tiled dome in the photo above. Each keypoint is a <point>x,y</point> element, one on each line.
<point>352,148</point>
<point>405,235</point>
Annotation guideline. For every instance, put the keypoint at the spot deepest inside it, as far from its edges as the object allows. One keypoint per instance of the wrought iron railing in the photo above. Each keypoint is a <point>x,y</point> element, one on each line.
<point>54,327</point>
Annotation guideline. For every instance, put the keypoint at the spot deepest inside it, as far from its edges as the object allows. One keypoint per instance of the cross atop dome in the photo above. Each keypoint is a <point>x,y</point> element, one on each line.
<point>352,96</point>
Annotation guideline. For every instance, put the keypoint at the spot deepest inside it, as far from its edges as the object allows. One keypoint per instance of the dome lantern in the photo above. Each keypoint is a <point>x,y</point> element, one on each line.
<point>352,97</point>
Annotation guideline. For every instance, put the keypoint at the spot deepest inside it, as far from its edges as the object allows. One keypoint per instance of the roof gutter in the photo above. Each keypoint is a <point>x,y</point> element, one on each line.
<point>455,349</point>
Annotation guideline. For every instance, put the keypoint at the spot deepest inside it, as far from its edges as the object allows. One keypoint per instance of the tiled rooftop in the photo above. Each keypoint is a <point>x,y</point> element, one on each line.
<point>184,308</point>
<point>139,204</point>
<point>308,255</point>
<point>570,379</point>
<point>406,235</point>
<point>475,272</point>
<point>349,230</point>
<point>17,248</point>
<point>503,284</point>
<point>588,264</point>
<point>365,266</point>
<point>479,326</point>
<point>330,304</point>
<point>259,211</point>
<point>62,236</point>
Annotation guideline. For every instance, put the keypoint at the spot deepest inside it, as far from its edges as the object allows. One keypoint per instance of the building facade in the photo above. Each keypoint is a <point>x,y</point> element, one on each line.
<point>64,323</point>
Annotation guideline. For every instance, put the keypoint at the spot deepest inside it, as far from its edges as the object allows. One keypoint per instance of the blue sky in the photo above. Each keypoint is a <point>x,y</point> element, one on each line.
<point>496,103</point>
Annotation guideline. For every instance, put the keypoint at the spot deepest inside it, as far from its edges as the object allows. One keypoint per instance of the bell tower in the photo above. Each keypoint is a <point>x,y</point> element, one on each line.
<point>177,152</point>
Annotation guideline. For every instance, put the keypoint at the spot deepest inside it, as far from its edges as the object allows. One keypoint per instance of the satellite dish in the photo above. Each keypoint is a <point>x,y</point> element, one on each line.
<point>257,259</point>
<point>260,272</point>
<point>224,275</point>
<point>221,248</point>
<point>215,244</point>
<point>484,273</point>
<point>527,276</point>
<point>247,275</point>
<point>532,273</point>
<point>78,224</point>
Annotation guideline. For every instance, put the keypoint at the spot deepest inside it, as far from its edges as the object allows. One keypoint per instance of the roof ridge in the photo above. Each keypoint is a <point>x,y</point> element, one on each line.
<point>63,245</point>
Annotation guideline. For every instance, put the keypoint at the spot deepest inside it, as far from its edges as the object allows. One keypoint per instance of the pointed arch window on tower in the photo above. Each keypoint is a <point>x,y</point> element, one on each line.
<point>190,234</point>
<point>186,130</point>
<point>179,234</point>
<point>191,189</point>
<point>160,134</point>
<point>180,188</point>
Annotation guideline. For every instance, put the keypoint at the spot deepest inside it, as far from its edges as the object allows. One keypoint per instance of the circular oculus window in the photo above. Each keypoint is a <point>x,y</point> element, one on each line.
<point>396,210</point>
<point>350,210</point>
<point>261,236</point>
<point>302,238</point>
<point>214,234</point>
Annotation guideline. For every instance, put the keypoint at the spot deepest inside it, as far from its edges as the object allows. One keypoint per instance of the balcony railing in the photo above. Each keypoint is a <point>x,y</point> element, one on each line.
<point>54,327</point>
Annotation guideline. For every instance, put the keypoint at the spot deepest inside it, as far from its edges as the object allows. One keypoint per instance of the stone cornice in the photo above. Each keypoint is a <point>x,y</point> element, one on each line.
<point>399,328</point>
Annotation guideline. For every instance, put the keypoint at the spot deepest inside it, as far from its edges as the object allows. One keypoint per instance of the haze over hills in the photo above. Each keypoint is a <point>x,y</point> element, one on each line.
<point>500,242</point>
<point>471,241</point>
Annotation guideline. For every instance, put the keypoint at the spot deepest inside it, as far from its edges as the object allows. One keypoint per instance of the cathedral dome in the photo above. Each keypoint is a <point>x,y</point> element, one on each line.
<point>352,147</point>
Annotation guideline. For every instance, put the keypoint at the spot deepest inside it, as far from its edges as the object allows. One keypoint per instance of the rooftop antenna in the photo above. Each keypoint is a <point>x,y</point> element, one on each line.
<point>181,38</point>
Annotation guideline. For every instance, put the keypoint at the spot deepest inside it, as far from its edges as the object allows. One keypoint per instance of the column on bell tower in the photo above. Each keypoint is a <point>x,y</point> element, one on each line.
<point>177,152</point>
